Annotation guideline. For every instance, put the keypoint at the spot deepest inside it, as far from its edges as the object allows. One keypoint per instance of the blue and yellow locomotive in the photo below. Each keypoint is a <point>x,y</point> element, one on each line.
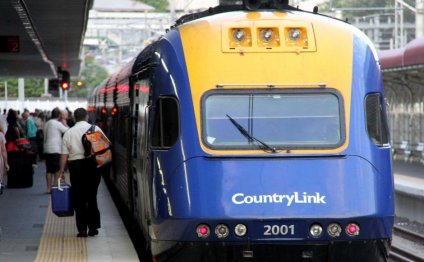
<point>253,134</point>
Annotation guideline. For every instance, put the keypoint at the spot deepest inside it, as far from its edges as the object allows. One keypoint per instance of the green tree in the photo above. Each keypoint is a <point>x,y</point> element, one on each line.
<point>34,87</point>
<point>159,5</point>
<point>12,87</point>
<point>91,75</point>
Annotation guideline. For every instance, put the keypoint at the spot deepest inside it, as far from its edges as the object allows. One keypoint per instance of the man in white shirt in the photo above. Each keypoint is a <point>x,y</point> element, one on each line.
<point>53,131</point>
<point>85,177</point>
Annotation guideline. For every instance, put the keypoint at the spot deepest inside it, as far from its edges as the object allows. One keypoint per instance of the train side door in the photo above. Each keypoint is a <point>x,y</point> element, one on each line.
<point>140,163</point>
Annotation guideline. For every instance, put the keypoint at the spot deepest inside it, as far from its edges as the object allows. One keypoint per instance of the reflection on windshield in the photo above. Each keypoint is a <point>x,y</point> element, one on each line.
<point>281,120</point>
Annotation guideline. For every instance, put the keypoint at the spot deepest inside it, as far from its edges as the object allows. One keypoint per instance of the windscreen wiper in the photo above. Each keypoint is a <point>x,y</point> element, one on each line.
<point>246,134</point>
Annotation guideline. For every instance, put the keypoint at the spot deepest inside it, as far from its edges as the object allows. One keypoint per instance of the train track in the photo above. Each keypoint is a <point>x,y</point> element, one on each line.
<point>398,251</point>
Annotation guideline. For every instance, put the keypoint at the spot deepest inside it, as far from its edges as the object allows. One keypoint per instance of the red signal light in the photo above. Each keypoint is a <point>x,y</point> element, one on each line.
<point>65,85</point>
<point>64,80</point>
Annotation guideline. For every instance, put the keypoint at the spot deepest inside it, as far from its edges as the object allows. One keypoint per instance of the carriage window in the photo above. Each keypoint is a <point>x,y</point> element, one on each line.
<point>281,119</point>
<point>166,123</point>
<point>376,120</point>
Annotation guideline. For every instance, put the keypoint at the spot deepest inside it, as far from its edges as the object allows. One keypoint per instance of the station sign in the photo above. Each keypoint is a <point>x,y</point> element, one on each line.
<point>9,44</point>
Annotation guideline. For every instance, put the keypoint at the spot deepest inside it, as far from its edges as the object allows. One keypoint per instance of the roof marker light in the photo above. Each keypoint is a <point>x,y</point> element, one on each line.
<point>352,229</point>
<point>203,231</point>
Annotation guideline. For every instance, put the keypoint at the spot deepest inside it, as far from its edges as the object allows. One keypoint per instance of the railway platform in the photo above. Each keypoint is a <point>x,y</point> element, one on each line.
<point>29,231</point>
<point>409,187</point>
<point>408,242</point>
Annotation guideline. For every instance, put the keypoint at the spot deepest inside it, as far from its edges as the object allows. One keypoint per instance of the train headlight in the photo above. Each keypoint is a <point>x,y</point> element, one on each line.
<point>296,37</point>
<point>239,37</point>
<point>352,229</point>
<point>239,34</point>
<point>240,230</point>
<point>294,34</point>
<point>221,231</point>
<point>267,34</point>
<point>334,230</point>
<point>315,230</point>
<point>203,231</point>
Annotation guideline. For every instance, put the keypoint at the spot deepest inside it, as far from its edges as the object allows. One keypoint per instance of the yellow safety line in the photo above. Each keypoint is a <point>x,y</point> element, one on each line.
<point>59,241</point>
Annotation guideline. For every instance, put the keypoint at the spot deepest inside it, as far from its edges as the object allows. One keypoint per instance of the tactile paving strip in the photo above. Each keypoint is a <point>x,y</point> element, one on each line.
<point>59,242</point>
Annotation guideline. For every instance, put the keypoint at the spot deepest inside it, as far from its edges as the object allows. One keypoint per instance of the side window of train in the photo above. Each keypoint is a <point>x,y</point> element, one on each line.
<point>376,120</point>
<point>166,126</point>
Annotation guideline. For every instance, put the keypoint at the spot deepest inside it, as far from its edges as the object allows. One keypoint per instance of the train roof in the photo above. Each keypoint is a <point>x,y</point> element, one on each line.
<point>231,8</point>
<point>144,58</point>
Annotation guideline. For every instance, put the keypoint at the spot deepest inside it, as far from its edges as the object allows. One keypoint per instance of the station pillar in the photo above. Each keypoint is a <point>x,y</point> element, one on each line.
<point>419,18</point>
<point>21,93</point>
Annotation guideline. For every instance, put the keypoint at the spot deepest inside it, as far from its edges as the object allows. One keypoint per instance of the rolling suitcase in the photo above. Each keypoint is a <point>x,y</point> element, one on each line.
<point>21,171</point>
<point>61,200</point>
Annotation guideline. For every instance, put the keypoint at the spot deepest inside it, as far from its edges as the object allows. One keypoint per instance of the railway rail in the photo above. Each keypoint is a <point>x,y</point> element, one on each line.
<point>401,252</point>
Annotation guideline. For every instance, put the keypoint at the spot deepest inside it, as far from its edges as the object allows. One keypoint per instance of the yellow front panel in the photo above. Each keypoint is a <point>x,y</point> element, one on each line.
<point>210,61</point>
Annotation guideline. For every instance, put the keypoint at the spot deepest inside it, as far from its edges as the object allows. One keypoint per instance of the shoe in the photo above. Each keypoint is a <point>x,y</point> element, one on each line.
<point>93,232</point>
<point>82,234</point>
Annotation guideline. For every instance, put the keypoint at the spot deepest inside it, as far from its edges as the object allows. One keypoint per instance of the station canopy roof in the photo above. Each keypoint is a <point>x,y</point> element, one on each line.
<point>404,65</point>
<point>38,36</point>
<point>120,6</point>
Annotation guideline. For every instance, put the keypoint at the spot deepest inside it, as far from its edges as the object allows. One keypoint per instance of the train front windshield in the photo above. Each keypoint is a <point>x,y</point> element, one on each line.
<point>281,119</point>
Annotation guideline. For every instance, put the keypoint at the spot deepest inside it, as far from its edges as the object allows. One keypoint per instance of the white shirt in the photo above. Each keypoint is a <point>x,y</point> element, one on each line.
<point>53,131</point>
<point>72,140</point>
<point>3,123</point>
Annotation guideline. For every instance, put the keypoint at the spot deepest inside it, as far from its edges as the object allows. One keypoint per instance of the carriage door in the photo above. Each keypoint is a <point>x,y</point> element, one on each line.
<point>140,164</point>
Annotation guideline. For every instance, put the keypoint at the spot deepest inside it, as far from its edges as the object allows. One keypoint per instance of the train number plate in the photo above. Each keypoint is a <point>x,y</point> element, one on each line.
<point>279,230</point>
<point>286,229</point>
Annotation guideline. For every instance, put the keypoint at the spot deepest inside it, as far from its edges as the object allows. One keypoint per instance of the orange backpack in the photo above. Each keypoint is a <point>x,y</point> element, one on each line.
<point>97,146</point>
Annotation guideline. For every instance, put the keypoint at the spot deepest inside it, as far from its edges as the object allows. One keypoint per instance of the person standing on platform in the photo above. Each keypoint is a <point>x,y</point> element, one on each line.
<point>64,117</point>
<point>53,131</point>
<point>70,119</point>
<point>14,130</point>
<point>30,133</point>
<point>21,121</point>
<point>13,133</point>
<point>85,177</point>
<point>4,167</point>
<point>39,137</point>
<point>3,120</point>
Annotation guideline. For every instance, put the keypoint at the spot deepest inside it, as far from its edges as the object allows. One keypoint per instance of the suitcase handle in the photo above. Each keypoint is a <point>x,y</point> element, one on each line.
<point>59,185</point>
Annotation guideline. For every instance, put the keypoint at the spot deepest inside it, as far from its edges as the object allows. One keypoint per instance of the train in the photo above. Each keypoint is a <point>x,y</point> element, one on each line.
<point>253,132</point>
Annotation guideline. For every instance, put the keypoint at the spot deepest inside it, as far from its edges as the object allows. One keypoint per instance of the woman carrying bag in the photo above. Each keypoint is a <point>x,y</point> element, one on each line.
<point>20,162</point>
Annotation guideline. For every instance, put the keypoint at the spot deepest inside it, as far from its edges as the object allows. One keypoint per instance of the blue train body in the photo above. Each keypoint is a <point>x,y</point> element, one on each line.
<point>181,187</point>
